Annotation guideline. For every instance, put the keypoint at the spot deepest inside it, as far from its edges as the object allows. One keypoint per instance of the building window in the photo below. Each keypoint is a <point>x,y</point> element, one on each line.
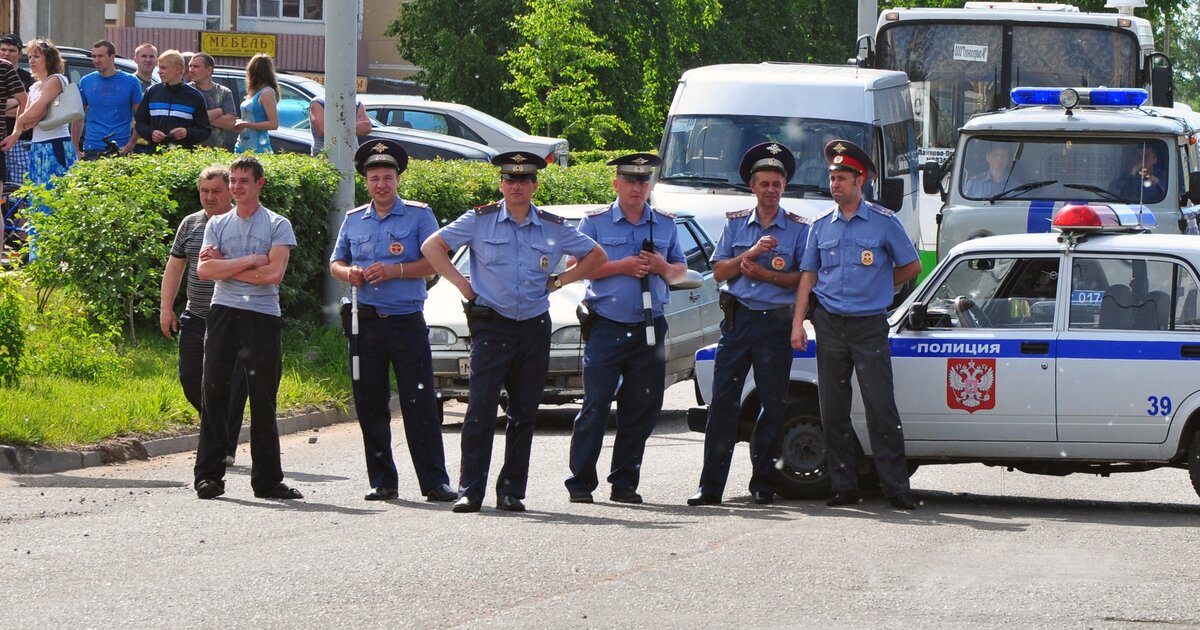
<point>288,9</point>
<point>174,7</point>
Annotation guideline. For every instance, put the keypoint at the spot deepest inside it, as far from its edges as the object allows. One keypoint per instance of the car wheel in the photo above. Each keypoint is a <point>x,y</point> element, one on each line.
<point>802,472</point>
<point>1194,462</point>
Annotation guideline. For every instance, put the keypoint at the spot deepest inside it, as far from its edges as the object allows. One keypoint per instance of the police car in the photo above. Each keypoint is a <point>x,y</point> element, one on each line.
<point>1014,169</point>
<point>1075,351</point>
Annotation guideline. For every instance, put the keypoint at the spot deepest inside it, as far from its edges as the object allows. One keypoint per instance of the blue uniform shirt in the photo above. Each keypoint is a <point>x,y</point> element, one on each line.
<point>365,239</point>
<point>510,263</point>
<point>854,259</point>
<point>619,297</point>
<point>742,231</point>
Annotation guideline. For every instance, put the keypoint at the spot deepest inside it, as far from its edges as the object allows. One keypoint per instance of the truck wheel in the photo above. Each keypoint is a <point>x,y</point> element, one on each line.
<point>802,472</point>
<point>1194,462</point>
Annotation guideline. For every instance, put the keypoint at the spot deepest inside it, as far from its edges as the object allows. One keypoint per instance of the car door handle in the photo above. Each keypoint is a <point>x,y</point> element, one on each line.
<point>1035,347</point>
<point>693,296</point>
<point>1189,351</point>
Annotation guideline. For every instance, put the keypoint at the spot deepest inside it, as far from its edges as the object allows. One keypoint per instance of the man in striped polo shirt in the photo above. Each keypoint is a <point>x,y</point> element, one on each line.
<point>215,199</point>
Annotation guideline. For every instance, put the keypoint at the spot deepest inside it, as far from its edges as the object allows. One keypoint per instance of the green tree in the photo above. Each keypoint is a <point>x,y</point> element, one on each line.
<point>554,74</point>
<point>458,45</point>
<point>1185,54</point>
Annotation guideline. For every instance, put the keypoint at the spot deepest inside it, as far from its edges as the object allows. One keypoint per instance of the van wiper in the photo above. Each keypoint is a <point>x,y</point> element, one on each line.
<point>1023,188</point>
<point>808,188</point>
<point>697,179</point>
<point>1104,193</point>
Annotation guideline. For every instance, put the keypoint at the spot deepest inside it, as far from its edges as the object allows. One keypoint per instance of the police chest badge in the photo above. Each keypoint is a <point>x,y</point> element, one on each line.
<point>396,248</point>
<point>544,262</point>
<point>777,263</point>
<point>867,258</point>
<point>971,384</point>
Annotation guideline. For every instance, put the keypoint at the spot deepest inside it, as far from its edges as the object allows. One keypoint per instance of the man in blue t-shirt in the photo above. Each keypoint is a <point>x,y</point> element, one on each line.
<point>110,98</point>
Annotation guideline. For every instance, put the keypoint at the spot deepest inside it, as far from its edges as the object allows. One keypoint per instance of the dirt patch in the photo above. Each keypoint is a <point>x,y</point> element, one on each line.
<point>121,450</point>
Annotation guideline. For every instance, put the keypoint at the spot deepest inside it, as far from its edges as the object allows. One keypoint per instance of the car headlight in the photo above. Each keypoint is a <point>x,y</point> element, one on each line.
<point>567,336</point>
<point>439,336</point>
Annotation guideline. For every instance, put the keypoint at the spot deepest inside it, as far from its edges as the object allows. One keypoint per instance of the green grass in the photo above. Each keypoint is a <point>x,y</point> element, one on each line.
<point>136,390</point>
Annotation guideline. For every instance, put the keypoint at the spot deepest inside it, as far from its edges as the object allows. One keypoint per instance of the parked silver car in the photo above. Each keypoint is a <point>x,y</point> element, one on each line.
<point>460,121</point>
<point>693,317</point>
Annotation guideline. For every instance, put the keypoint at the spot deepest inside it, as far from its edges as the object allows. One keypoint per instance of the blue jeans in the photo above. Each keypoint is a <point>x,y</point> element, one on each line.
<point>617,355</point>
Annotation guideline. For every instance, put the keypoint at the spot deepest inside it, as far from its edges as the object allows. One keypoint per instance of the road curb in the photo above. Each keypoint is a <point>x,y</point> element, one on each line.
<point>26,460</point>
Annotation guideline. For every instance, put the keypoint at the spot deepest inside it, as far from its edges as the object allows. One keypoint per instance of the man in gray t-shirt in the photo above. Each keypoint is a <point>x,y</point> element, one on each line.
<point>246,253</point>
<point>222,109</point>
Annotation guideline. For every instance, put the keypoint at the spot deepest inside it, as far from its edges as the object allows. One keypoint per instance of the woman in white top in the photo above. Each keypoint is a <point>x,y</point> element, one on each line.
<point>51,152</point>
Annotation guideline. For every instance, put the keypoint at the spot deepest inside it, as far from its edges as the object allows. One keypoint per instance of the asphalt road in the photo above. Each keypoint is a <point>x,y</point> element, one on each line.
<point>131,546</point>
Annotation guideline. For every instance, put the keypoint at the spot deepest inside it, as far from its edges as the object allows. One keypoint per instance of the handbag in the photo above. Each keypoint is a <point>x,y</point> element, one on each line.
<point>65,109</point>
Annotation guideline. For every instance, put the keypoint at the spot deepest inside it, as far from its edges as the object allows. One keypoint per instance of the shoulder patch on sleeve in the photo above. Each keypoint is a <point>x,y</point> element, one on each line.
<point>880,209</point>
<point>738,214</point>
<point>595,212</point>
<point>491,208</point>
<point>547,216</point>
<point>359,209</point>
<point>795,218</point>
<point>415,204</point>
<point>670,215</point>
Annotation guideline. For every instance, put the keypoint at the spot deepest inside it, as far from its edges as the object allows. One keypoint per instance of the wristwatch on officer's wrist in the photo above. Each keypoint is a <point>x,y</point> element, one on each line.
<point>555,281</point>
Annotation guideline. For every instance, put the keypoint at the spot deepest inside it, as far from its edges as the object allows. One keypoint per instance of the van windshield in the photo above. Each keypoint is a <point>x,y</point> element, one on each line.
<point>708,149</point>
<point>1067,168</point>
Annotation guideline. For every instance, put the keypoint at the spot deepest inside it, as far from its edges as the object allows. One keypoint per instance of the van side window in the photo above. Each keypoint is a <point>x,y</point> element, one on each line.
<point>997,293</point>
<point>695,253</point>
<point>899,149</point>
<point>1127,293</point>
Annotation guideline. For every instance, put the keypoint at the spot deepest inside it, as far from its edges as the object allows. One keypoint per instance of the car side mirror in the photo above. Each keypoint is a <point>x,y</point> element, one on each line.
<point>693,280</point>
<point>893,193</point>
<point>1194,187</point>
<point>931,177</point>
<point>918,316</point>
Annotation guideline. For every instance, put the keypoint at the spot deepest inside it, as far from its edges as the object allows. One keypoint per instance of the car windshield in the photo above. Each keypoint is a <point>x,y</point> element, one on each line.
<point>708,149</point>
<point>496,123</point>
<point>1065,168</point>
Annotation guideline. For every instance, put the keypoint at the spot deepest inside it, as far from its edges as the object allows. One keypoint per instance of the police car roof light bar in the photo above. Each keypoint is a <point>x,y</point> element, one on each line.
<point>1103,218</point>
<point>1068,98</point>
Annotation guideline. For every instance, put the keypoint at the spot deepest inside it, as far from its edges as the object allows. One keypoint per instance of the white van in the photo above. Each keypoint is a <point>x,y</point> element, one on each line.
<point>1014,170</point>
<point>721,111</point>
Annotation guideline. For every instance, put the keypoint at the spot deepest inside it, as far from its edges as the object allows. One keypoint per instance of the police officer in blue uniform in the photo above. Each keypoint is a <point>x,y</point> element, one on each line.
<point>378,251</point>
<point>758,257</point>
<point>644,254</point>
<point>514,248</point>
<point>857,254</point>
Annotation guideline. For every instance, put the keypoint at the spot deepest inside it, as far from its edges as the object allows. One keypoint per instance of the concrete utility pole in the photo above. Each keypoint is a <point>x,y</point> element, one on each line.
<point>341,41</point>
<point>868,15</point>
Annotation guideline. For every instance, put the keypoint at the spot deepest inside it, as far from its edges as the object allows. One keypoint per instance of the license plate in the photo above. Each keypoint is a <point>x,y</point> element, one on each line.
<point>464,366</point>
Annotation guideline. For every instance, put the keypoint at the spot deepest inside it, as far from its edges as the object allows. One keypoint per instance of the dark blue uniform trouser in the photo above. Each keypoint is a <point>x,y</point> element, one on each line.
<point>616,353</point>
<point>255,338</point>
<point>762,340</point>
<point>514,355</point>
<point>859,344</point>
<point>191,372</point>
<point>399,344</point>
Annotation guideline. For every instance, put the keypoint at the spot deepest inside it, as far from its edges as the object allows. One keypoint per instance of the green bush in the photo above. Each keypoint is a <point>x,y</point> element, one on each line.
<point>12,334</point>
<point>65,342</point>
<point>590,156</point>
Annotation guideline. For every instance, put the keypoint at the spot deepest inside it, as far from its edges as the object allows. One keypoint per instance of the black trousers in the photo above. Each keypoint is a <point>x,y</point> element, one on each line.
<point>514,355</point>
<point>858,344</point>
<point>255,338</point>
<point>191,372</point>
<point>398,344</point>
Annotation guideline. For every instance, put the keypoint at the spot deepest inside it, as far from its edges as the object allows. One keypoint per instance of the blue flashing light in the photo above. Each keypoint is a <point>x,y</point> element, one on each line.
<point>1119,97</point>
<point>1035,96</point>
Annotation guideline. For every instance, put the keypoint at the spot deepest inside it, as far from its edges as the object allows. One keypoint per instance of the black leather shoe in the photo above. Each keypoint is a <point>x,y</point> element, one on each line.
<point>509,503</point>
<point>903,501</point>
<point>441,492</point>
<point>581,497</point>
<point>209,489</point>
<point>281,491</point>
<point>382,494</point>
<point>465,504</point>
<point>763,498</point>
<point>849,497</point>
<point>624,495</point>
<point>703,499</point>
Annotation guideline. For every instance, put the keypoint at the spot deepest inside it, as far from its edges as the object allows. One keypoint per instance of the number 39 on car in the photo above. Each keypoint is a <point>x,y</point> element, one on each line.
<point>1075,351</point>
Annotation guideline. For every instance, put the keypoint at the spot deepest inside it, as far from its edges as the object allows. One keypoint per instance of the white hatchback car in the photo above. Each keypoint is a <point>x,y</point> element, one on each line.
<point>693,318</point>
<point>461,121</point>
<point>1045,353</point>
